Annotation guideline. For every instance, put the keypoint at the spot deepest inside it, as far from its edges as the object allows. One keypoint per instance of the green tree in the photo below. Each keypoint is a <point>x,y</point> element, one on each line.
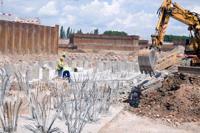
<point>174,38</point>
<point>96,31</point>
<point>115,33</point>
<point>68,32</point>
<point>62,32</point>
<point>79,32</point>
<point>72,32</point>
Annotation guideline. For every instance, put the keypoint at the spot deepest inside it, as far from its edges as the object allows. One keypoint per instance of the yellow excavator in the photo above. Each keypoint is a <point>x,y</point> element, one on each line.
<point>147,58</point>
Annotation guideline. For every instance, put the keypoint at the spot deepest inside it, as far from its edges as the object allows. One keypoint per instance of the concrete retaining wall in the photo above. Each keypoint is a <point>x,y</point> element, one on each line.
<point>24,38</point>
<point>88,41</point>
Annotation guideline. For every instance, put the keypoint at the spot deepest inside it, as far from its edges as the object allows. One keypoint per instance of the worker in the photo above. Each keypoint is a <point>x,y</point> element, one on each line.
<point>66,74</point>
<point>60,66</point>
<point>64,55</point>
<point>134,97</point>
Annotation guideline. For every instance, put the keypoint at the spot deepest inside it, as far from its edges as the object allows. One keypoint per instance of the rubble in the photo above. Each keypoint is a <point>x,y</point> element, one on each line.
<point>177,101</point>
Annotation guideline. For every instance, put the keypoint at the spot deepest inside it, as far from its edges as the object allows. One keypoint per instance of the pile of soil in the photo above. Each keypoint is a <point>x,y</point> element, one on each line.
<point>178,100</point>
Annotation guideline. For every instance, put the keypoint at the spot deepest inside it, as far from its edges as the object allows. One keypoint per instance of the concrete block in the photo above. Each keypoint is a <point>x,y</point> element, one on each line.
<point>74,64</point>
<point>107,65</point>
<point>23,68</point>
<point>10,69</point>
<point>45,74</point>
<point>79,63</point>
<point>100,66</point>
<point>114,67</point>
<point>69,63</point>
<point>52,64</point>
<point>35,71</point>
<point>86,64</point>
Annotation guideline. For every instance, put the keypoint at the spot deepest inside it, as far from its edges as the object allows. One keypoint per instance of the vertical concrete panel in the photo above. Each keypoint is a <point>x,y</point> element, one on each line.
<point>46,40</point>
<point>23,45</point>
<point>10,38</point>
<point>36,27</point>
<point>39,33</point>
<point>52,40</point>
<point>1,36</point>
<point>16,39</point>
<point>13,38</point>
<point>26,45</point>
<point>20,38</point>
<point>6,37</point>
<point>42,39</point>
<point>29,40</point>
<point>56,36</point>
<point>49,40</point>
<point>33,39</point>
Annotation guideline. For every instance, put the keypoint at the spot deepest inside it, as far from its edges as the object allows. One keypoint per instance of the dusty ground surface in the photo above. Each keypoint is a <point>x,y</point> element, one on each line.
<point>175,107</point>
<point>177,101</point>
<point>89,127</point>
<point>72,57</point>
<point>16,59</point>
<point>127,122</point>
<point>107,55</point>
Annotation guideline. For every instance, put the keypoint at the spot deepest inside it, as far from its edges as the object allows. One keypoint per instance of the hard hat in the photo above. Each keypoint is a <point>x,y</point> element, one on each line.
<point>62,58</point>
<point>64,55</point>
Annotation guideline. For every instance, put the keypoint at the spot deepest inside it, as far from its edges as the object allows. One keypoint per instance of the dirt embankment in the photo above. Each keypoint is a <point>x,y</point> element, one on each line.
<point>178,100</point>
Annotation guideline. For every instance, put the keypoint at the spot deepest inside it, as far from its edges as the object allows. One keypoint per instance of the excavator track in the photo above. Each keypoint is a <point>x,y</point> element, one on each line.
<point>189,70</point>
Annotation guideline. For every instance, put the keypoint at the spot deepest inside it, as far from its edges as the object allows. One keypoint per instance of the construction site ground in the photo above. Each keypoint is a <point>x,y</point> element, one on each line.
<point>177,101</point>
<point>172,108</point>
<point>128,122</point>
<point>121,120</point>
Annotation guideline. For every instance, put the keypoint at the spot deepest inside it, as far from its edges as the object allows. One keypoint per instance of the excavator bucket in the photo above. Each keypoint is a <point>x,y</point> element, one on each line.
<point>146,61</point>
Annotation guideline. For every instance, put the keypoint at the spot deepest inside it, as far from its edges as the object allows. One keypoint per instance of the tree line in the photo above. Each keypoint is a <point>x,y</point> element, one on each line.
<point>175,38</point>
<point>66,34</point>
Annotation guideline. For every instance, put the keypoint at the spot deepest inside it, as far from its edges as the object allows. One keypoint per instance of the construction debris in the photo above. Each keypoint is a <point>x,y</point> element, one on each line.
<point>178,100</point>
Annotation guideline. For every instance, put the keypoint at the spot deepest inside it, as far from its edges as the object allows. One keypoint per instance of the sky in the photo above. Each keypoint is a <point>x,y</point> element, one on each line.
<point>136,17</point>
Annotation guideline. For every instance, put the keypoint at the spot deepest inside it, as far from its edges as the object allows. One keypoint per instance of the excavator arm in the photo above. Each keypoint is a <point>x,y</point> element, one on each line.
<point>147,57</point>
<point>169,9</point>
<point>166,11</point>
<point>161,27</point>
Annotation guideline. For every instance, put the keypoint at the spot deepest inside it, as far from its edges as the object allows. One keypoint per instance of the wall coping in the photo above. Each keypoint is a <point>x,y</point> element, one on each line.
<point>131,37</point>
